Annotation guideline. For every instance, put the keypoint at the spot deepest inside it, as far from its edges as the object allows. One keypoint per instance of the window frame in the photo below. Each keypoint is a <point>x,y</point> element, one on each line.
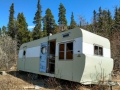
<point>65,51</point>
<point>61,51</point>
<point>99,46</point>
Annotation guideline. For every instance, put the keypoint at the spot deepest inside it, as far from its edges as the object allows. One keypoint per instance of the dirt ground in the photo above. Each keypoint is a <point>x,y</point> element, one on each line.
<point>14,80</point>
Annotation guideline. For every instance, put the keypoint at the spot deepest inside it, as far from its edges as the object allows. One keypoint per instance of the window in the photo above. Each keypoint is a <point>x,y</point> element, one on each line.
<point>66,51</point>
<point>98,50</point>
<point>61,51</point>
<point>44,50</point>
<point>24,52</point>
<point>69,50</point>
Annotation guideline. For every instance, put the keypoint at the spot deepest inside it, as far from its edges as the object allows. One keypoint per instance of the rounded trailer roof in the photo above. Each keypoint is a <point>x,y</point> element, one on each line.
<point>87,37</point>
<point>92,38</point>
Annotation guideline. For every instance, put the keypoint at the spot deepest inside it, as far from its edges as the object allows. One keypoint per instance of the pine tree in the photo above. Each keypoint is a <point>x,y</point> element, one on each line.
<point>62,18</point>
<point>30,35</point>
<point>72,23</point>
<point>0,32</point>
<point>117,19</point>
<point>56,29</point>
<point>22,30</point>
<point>100,17</point>
<point>109,17</point>
<point>4,32</point>
<point>45,33</point>
<point>48,22</point>
<point>94,17</point>
<point>94,22</point>
<point>37,33</point>
<point>110,23</point>
<point>11,21</point>
<point>100,21</point>
<point>104,21</point>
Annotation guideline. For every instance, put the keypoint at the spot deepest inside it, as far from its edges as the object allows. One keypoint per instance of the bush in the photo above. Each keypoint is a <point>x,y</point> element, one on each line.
<point>8,53</point>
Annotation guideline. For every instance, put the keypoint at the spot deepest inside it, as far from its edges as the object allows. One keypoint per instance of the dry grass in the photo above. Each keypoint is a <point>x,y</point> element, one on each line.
<point>16,81</point>
<point>9,82</point>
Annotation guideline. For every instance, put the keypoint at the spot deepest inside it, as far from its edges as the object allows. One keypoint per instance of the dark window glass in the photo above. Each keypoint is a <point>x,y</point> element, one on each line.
<point>69,55</point>
<point>96,50</point>
<point>69,46</point>
<point>24,52</point>
<point>101,51</point>
<point>61,51</point>
<point>61,55</point>
<point>61,47</point>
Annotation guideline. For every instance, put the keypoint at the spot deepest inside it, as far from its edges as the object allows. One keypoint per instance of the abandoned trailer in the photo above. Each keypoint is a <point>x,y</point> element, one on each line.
<point>76,55</point>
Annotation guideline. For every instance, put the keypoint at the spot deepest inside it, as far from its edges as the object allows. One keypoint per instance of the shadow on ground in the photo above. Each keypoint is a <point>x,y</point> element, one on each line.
<point>45,82</point>
<point>48,83</point>
<point>30,78</point>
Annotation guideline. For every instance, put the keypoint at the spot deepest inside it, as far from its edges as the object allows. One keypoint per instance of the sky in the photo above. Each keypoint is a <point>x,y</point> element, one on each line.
<point>78,7</point>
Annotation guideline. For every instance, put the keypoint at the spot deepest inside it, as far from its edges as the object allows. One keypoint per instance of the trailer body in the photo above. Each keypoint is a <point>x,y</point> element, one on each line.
<point>75,55</point>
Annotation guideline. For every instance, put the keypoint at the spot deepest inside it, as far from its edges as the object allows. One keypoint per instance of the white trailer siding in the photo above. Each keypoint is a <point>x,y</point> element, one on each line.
<point>83,64</point>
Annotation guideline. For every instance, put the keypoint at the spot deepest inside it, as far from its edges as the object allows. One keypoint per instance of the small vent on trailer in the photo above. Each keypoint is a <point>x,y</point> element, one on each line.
<point>66,35</point>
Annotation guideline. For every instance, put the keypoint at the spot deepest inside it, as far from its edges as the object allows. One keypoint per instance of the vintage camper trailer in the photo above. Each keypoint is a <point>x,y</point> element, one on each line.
<point>75,55</point>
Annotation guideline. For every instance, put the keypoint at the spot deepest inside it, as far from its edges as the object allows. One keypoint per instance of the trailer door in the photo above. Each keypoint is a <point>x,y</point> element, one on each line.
<point>22,58</point>
<point>43,57</point>
<point>22,61</point>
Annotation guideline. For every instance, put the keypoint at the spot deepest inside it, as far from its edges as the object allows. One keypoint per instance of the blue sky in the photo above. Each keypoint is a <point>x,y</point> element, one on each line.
<point>79,7</point>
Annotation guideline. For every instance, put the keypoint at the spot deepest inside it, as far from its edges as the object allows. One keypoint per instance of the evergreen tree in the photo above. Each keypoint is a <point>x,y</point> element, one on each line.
<point>11,21</point>
<point>48,22</point>
<point>0,32</point>
<point>100,21</point>
<point>4,31</point>
<point>72,23</point>
<point>94,17</point>
<point>56,29</point>
<point>110,23</point>
<point>22,31</point>
<point>62,18</point>
<point>117,19</point>
<point>104,21</point>
<point>30,35</point>
<point>37,33</point>
<point>94,22</point>
<point>109,17</point>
